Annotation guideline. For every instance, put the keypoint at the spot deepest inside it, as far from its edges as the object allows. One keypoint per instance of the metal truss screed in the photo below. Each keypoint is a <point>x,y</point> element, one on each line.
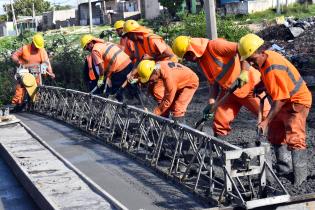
<point>217,171</point>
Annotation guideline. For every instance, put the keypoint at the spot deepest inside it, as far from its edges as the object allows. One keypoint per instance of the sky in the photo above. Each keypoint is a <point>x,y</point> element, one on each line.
<point>60,2</point>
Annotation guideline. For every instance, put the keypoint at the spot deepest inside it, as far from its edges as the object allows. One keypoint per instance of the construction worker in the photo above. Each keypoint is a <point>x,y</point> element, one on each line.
<point>292,100</point>
<point>111,61</point>
<point>221,65</point>
<point>91,74</point>
<point>119,26</point>
<point>125,44</point>
<point>34,58</point>
<point>180,83</point>
<point>147,46</point>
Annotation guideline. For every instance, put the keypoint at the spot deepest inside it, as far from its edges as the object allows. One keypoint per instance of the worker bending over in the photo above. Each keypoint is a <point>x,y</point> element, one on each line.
<point>111,61</point>
<point>125,44</point>
<point>292,100</point>
<point>179,82</point>
<point>34,58</point>
<point>221,65</point>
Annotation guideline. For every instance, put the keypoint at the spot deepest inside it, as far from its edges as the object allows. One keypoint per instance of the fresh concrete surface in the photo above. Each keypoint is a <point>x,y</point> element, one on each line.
<point>53,184</point>
<point>12,194</point>
<point>132,184</point>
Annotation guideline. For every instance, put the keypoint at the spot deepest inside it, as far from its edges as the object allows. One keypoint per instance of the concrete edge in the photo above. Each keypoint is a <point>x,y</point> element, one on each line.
<point>95,187</point>
<point>43,202</point>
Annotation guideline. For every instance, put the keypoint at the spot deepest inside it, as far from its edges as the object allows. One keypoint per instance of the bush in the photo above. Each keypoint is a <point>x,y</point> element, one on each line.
<point>195,26</point>
<point>64,53</point>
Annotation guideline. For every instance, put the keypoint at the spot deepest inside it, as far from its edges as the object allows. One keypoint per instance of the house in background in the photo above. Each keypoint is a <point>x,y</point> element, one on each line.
<point>28,23</point>
<point>59,18</point>
<point>251,6</point>
<point>107,12</point>
<point>7,29</point>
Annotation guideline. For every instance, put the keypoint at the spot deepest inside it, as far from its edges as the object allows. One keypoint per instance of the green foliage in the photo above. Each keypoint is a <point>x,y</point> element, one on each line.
<point>172,6</point>
<point>295,10</point>
<point>67,63</point>
<point>24,7</point>
<point>164,26</point>
<point>195,26</point>
<point>63,7</point>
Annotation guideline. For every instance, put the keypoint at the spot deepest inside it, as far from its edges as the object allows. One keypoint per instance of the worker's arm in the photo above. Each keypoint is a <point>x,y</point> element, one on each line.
<point>170,92</point>
<point>98,61</point>
<point>275,108</point>
<point>16,56</point>
<point>277,87</point>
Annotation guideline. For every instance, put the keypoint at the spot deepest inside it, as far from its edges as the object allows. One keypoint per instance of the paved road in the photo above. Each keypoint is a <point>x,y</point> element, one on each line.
<point>129,182</point>
<point>12,194</point>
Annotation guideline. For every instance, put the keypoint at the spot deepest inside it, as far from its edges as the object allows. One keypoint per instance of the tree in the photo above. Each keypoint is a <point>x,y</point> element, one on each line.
<point>24,7</point>
<point>62,7</point>
<point>172,6</point>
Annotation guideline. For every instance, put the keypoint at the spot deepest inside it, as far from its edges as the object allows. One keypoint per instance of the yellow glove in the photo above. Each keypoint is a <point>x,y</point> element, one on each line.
<point>100,81</point>
<point>243,78</point>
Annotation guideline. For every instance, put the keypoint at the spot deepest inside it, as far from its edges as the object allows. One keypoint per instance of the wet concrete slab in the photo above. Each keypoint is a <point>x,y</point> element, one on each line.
<point>134,185</point>
<point>12,194</point>
<point>52,183</point>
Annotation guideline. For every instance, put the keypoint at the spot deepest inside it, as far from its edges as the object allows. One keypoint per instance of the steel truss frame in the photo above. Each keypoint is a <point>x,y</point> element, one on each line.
<point>220,172</point>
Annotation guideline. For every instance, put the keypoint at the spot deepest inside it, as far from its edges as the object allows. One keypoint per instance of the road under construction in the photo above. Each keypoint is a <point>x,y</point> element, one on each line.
<point>130,159</point>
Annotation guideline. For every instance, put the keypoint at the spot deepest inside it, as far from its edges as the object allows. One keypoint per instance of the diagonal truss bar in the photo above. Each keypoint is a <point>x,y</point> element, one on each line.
<point>214,169</point>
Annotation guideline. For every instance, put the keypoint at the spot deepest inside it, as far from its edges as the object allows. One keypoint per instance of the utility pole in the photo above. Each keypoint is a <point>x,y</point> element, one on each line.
<point>6,12</point>
<point>90,14</point>
<point>34,18</point>
<point>278,7</point>
<point>14,19</point>
<point>211,19</point>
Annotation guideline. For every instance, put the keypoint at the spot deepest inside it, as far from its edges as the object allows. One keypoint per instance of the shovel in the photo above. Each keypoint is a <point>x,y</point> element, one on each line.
<point>259,119</point>
<point>200,123</point>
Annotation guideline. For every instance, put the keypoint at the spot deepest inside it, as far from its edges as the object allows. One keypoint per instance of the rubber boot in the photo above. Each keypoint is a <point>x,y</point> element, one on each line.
<point>284,160</point>
<point>299,160</point>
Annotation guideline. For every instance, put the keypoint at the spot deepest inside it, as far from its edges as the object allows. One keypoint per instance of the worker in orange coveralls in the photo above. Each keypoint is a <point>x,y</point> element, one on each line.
<point>179,82</point>
<point>292,100</point>
<point>111,61</point>
<point>32,56</point>
<point>221,65</point>
<point>146,45</point>
<point>125,44</point>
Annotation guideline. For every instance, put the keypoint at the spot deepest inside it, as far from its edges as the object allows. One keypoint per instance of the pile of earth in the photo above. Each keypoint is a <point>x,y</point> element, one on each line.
<point>299,50</point>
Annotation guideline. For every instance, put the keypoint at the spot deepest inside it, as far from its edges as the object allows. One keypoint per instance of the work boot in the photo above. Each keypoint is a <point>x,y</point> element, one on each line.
<point>299,160</point>
<point>284,160</point>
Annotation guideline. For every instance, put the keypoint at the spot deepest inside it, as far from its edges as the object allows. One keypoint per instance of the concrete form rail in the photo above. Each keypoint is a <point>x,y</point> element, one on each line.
<point>51,181</point>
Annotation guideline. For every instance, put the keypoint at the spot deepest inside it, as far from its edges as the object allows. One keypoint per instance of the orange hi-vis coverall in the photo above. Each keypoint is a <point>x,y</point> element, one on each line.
<point>112,57</point>
<point>283,82</point>
<point>128,46</point>
<point>152,45</point>
<point>179,85</point>
<point>220,63</point>
<point>25,56</point>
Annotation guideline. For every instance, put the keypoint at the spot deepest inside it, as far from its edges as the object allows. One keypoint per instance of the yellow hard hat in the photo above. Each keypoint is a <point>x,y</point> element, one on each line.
<point>145,70</point>
<point>180,45</point>
<point>248,45</point>
<point>85,39</point>
<point>130,25</point>
<point>119,24</point>
<point>38,41</point>
<point>30,84</point>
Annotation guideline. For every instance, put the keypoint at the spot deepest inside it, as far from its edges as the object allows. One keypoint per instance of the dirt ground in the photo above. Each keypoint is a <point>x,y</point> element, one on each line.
<point>244,131</point>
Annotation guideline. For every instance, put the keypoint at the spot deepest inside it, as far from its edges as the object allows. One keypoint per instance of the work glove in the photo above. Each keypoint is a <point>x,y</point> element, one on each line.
<point>243,78</point>
<point>100,81</point>
<point>207,114</point>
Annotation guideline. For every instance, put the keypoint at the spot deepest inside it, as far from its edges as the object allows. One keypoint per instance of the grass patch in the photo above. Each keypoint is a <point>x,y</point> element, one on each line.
<point>295,10</point>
